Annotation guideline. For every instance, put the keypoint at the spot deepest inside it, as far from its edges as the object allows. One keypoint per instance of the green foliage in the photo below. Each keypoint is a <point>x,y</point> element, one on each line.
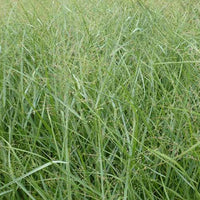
<point>99,99</point>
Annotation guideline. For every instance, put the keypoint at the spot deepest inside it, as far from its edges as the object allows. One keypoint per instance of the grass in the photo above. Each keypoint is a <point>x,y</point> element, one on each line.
<point>99,99</point>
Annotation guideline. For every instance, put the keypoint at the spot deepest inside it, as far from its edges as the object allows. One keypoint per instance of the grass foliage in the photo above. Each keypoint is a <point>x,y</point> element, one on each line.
<point>100,99</point>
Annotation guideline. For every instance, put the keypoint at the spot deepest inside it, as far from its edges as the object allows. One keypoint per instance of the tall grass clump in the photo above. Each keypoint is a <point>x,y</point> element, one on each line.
<point>100,99</point>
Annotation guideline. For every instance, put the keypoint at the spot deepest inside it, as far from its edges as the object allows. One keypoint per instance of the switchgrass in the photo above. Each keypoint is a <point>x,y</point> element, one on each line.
<point>99,99</point>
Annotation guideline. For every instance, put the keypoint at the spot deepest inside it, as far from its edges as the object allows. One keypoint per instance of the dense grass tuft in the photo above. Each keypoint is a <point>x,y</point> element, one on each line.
<point>100,99</point>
